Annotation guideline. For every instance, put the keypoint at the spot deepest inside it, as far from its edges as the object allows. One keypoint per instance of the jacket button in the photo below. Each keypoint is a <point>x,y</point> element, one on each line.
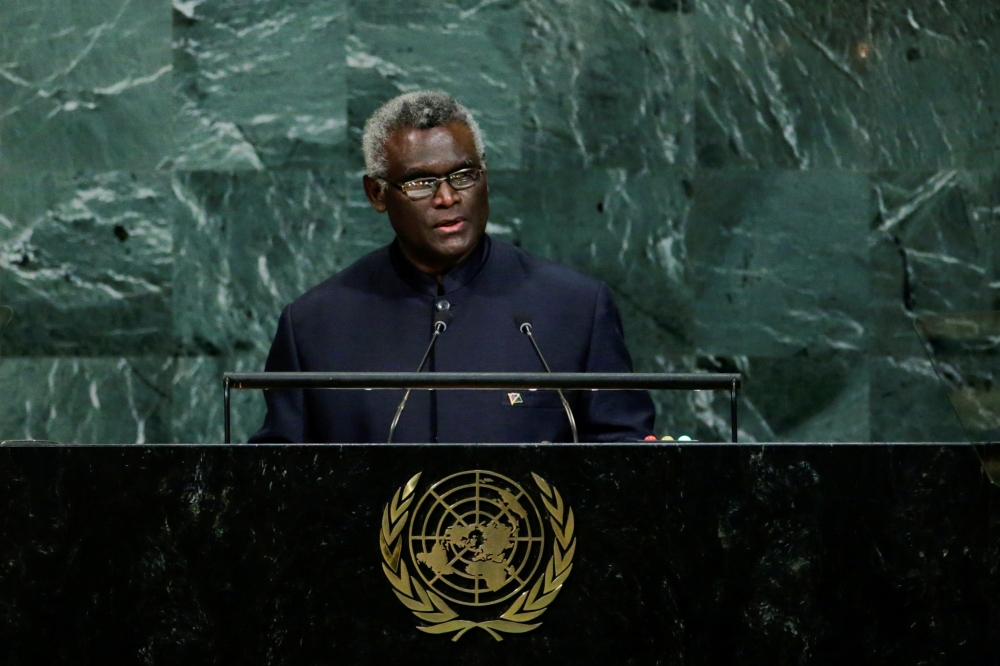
<point>442,305</point>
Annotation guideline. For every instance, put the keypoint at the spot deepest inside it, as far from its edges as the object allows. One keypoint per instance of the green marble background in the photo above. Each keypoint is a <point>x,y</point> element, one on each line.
<point>773,186</point>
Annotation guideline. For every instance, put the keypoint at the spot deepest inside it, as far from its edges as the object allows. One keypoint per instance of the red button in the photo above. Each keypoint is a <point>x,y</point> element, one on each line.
<point>649,438</point>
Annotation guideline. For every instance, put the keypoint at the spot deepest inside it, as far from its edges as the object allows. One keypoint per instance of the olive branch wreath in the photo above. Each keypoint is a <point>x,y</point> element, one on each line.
<point>431,608</point>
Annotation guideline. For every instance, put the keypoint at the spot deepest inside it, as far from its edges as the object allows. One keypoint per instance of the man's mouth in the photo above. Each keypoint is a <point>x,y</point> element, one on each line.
<point>450,225</point>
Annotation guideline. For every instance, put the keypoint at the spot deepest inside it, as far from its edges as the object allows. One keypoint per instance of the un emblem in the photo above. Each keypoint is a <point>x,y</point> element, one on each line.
<point>476,539</point>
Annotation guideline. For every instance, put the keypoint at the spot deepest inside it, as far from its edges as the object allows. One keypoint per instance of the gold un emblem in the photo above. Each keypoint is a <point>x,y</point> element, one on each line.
<point>476,540</point>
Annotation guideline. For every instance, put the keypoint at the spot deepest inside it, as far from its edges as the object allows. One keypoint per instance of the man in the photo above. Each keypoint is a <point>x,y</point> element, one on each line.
<point>427,169</point>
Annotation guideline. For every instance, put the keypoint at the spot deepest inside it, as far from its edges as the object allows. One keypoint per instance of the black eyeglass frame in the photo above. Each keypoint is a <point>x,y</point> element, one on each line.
<point>438,180</point>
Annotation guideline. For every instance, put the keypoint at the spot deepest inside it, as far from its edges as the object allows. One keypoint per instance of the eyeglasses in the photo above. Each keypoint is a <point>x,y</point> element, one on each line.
<point>421,188</point>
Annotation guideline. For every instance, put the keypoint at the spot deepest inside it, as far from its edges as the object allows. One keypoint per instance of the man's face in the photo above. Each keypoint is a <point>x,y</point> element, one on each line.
<point>436,232</point>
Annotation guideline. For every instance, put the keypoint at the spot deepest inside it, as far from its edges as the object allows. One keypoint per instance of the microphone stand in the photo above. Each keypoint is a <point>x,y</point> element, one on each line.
<point>439,328</point>
<point>526,329</point>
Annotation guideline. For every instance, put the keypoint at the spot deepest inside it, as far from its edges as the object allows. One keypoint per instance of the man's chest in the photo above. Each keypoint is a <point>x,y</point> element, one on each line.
<point>483,335</point>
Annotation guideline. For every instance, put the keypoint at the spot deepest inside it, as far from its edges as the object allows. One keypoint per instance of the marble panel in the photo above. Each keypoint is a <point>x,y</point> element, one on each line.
<point>964,349</point>
<point>608,84</point>
<point>779,261</point>
<point>253,242</point>
<point>935,84</point>
<point>429,12</point>
<point>626,230</point>
<point>86,263</point>
<point>943,20</point>
<point>703,416</point>
<point>695,414</point>
<point>198,414</point>
<point>362,215</point>
<point>782,84</point>
<point>507,205</point>
<point>909,403</point>
<point>86,400</point>
<point>818,397</point>
<point>85,86</point>
<point>473,54</point>
<point>935,247</point>
<point>595,114</point>
<point>263,83</point>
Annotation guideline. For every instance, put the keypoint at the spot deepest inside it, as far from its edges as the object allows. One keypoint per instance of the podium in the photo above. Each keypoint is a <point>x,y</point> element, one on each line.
<point>675,553</point>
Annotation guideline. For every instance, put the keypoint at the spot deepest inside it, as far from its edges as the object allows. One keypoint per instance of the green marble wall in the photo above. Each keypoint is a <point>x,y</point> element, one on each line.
<point>774,186</point>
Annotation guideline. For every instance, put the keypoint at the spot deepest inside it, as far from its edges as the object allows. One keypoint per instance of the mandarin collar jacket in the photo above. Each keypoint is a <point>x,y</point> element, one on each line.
<point>377,315</point>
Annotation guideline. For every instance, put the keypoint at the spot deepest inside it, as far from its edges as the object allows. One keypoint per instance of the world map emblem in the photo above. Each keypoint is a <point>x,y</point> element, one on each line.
<point>477,541</point>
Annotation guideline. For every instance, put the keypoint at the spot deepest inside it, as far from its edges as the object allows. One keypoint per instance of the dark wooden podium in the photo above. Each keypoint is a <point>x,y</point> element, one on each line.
<point>693,554</point>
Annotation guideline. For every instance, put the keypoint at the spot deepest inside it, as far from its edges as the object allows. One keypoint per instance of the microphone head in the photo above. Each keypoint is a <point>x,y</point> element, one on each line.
<point>442,317</point>
<point>523,323</point>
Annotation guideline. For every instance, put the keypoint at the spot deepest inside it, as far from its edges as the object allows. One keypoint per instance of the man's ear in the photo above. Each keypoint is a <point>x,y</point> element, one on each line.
<point>375,193</point>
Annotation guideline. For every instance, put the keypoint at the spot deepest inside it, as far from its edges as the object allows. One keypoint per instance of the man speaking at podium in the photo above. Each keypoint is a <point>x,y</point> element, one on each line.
<point>426,165</point>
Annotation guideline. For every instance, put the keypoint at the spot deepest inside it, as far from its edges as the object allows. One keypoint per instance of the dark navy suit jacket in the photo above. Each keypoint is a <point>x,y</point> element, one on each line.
<point>377,315</point>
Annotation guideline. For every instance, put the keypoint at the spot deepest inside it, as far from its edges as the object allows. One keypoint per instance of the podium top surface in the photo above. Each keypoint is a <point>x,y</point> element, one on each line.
<point>639,445</point>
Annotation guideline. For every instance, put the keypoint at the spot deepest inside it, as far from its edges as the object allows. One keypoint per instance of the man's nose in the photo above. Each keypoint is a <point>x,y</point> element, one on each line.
<point>446,196</point>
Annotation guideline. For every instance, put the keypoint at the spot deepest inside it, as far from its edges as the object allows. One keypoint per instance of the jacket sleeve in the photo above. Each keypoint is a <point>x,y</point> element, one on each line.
<point>612,416</point>
<point>285,420</point>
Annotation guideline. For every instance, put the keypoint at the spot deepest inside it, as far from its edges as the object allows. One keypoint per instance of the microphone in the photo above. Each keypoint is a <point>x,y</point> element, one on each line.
<point>442,317</point>
<point>525,327</point>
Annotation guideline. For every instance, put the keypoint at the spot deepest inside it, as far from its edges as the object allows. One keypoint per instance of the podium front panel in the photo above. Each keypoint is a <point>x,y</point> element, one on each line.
<point>375,554</point>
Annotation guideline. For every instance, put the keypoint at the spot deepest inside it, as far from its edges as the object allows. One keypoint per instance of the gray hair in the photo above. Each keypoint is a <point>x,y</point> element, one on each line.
<point>421,109</point>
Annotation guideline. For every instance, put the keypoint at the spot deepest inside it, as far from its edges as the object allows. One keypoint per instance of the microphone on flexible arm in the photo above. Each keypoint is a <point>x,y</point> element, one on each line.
<point>442,317</point>
<point>525,327</point>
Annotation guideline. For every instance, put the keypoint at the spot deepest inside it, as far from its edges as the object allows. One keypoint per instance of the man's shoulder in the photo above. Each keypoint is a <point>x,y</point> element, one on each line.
<point>541,272</point>
<point>356,281</point>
